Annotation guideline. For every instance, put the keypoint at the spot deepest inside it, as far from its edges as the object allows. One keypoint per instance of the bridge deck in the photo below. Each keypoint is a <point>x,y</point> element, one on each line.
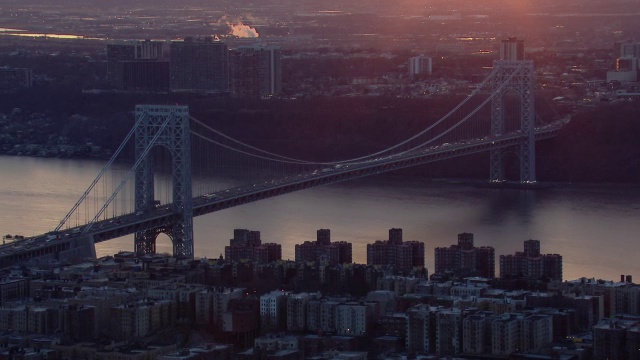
<point>53,243</point>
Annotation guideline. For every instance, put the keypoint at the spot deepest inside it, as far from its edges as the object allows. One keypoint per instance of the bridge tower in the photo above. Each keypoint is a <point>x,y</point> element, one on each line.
<point>175,137</point>
<point>520,74</point>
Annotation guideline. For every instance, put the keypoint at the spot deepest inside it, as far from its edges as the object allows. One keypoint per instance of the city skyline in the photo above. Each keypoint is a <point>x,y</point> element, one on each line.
<point>518,55</point>
<point>287,179</point>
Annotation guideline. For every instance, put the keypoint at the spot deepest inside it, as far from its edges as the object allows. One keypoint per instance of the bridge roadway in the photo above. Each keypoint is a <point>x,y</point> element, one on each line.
<point>131,223</point>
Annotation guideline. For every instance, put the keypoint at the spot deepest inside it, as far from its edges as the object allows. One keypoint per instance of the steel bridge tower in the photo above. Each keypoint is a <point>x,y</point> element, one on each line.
<point>519,76</point>
<point>169,127</point>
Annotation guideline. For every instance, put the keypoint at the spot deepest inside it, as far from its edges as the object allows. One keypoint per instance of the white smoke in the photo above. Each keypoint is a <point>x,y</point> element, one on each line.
<point>243,31</point>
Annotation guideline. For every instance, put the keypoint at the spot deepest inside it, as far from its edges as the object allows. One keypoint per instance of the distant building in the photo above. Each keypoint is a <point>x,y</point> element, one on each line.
<point>321,314</point>
<point>242,319</point>
<point>135,320</point>
<point>353,319</point>
<point>536,332</point>
<point>200,65</point>
<point>28,319</point>
<point>78,322</point>
<point>149,75</point>
<point>398,284</point>
<point>246,245</point>
<point>207,351</point>
<point>13,289</point>
<point>505,335</point>
<point>448,332</point>
<point>465,259</point>
<point>297,311</point>
<point>95,350</point>
<point>512,49</point>
<point>151,50</point>
<point>139,65</point>
<point>420,65</point>
<point>627,64</point>
<point>323,250</point>
<point>246,238</point>
<point>116,54</point>
<point>421,329</point>
<point>212,303</point>
<point>616,339</point>
<point>476,333</point>
<point>530,264</point>
<point>12,79</point>
<point>403,256</point>
<point>255,71</point>
<point>273,311</point>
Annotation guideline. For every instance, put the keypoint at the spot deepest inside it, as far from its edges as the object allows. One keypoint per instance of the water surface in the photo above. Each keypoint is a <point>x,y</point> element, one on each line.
<point>595,229</point>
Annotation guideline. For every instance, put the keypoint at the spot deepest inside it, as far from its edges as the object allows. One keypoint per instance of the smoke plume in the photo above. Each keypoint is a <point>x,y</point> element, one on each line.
<point>242,30</point>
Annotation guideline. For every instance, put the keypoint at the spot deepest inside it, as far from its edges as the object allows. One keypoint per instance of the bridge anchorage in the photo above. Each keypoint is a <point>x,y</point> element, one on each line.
<point>166,126</point>
<point>514,76</point>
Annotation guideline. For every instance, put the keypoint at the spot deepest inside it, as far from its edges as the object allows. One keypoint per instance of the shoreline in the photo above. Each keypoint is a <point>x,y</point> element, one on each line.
<point>480,183</point>
<point>514,185</point>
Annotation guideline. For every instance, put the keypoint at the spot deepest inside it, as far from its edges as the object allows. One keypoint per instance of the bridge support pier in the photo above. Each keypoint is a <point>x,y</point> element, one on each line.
<point>496,168</point>
<point>175,137</point>
<point>517,76</point>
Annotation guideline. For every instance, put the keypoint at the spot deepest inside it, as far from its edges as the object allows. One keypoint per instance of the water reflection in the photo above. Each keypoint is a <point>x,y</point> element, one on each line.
<point>503,205</point>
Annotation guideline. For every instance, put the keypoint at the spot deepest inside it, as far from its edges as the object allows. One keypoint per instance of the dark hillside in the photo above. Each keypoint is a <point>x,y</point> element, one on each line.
<point>601,145</point>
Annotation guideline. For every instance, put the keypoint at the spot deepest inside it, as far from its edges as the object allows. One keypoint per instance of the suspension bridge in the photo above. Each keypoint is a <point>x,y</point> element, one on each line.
<point>185,168</point>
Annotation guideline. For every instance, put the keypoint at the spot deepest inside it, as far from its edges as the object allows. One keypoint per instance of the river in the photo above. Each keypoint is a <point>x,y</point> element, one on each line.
<point>595,228</point>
